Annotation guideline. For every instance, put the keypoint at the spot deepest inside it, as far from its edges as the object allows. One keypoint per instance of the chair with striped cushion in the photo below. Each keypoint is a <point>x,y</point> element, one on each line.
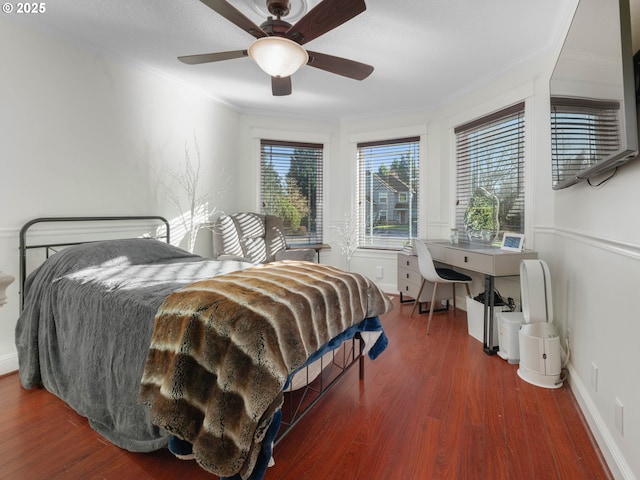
<point>255,238</point>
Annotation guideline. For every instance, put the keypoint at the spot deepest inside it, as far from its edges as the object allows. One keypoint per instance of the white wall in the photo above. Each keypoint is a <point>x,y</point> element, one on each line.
<point>595,251</point>
<point>81,134</point>
<point>591,239</point>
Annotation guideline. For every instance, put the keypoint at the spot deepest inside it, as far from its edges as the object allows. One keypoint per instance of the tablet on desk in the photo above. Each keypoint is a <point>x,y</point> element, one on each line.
<point>512,242</point>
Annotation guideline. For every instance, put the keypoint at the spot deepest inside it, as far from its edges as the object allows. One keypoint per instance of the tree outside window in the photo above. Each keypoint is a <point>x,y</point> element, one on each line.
<point>490,175</point>
<point>291,188</point>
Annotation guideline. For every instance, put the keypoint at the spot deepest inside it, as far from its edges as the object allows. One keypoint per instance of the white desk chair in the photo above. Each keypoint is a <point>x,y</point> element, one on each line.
<point>430,273</point>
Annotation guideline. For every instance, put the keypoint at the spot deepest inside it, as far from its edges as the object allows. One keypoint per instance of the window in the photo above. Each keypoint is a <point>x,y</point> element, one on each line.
<point>291,188</point>
<point>388,192</point>
<point>490,175</point>
<point>582,133</point>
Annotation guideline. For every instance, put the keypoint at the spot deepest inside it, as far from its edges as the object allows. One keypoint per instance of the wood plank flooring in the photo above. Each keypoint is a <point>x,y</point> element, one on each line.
<point>430,407</point>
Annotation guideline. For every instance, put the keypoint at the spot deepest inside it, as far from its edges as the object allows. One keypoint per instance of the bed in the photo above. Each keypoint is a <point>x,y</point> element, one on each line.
<point>152,343</point>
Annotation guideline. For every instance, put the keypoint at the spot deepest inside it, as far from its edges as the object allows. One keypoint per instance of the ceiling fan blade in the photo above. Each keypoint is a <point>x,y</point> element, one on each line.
<point>339,65</point>
<point>212,57</point>
<point>324,17</point>
<point>281,86</point>
<point>224,8</point>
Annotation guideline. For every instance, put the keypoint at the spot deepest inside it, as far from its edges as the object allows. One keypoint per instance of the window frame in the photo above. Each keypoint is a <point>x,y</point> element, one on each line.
<point>313,237</point>
<point>390,242</point>
<point>467,177</point>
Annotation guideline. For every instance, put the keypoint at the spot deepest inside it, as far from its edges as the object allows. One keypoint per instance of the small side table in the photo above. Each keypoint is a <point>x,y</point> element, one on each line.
<point>315,246</point>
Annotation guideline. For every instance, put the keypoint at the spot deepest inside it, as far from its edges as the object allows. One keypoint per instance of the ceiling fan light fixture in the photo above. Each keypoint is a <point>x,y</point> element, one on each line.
<point>278,56</point>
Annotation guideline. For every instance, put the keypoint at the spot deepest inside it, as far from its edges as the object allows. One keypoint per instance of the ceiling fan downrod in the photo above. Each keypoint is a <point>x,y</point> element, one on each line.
<point>278,8</point>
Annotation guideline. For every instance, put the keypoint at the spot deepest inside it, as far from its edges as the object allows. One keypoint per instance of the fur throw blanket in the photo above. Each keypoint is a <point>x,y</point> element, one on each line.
<point>222,350</point>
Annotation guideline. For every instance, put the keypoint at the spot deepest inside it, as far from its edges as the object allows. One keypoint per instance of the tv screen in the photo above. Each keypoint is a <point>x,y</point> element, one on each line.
<point>593,94</point>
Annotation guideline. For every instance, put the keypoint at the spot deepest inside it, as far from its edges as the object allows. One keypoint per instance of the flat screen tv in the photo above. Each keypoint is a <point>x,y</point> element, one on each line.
<point>593,95</point>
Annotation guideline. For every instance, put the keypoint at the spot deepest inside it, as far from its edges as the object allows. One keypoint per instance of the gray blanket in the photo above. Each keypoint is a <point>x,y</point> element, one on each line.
<point>87,323</point>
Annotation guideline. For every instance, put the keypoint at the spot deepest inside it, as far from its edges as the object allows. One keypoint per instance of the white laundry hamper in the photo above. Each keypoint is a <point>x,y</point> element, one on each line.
<point>538,339</point>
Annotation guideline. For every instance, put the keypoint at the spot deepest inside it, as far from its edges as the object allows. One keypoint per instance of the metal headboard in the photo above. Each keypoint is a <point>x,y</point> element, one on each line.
<point>49,246</point>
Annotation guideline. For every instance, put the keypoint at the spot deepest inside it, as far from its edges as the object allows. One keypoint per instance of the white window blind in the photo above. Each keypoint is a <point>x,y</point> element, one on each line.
<point>388,178</point>
<point>582,133</point>
<point>490,175</point>
<point>291,188</point>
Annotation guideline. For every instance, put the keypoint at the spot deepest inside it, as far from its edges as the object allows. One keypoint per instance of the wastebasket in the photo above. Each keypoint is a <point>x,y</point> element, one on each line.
<point>508,329</point>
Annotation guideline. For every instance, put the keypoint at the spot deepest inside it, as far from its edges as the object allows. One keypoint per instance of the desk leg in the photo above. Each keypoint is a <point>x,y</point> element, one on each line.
<point>488,346</point>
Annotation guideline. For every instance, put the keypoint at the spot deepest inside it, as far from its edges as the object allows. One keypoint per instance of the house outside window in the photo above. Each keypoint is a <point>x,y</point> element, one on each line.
<point>388,181</point>
<point>291,188</point>
<point>490,175</point>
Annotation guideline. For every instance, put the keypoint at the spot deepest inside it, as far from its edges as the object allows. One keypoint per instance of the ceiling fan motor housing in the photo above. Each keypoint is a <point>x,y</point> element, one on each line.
<point>275,27</point>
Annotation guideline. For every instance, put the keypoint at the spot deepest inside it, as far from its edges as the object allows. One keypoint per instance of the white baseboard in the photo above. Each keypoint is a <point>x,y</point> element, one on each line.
<point>8,363</point>
<point>615,460</point>
<point>389,288</point>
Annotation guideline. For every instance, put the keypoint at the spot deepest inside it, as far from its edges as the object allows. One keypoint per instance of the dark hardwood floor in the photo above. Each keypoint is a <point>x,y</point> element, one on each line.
<point>430,407</point>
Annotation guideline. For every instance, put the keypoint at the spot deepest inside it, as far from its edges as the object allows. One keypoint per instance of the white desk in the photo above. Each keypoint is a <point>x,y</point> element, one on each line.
<point>491,261</point>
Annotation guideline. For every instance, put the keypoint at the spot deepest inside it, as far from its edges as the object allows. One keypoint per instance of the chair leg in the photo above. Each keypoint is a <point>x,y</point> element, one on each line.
<point>417,302</point>
<point>433,301</point>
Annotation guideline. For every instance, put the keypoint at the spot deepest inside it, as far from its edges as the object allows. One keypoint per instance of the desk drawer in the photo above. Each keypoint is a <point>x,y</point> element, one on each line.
<point>409,262</point>
<point>476,262</point>
<point>410,289</point>
<point>409,276</point>
<point>409,280</point>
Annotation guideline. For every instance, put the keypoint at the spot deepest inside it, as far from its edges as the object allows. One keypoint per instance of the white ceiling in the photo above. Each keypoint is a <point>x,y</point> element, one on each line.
<point>424,52</point>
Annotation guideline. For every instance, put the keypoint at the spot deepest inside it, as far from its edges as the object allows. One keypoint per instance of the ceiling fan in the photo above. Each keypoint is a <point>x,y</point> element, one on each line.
<point>278,46</point>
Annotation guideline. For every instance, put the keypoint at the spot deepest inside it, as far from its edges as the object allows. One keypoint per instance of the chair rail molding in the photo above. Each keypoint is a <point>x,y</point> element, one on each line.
<point>626,249</point>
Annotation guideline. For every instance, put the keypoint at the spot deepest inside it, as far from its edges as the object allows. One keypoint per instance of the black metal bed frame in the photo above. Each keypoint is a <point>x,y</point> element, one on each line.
<point>297,402</point>
<point>49,247</point>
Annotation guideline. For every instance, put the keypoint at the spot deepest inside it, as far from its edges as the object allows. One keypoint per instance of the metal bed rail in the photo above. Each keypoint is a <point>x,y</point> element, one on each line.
<point>299,402</point>
<point>24,246</point>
